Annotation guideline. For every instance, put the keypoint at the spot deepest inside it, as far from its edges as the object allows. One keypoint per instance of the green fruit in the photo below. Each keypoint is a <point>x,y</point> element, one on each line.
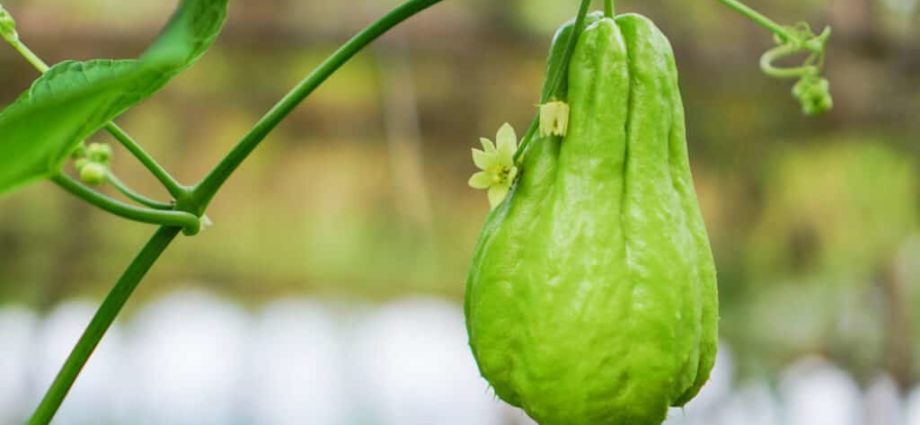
<point>592,297</point>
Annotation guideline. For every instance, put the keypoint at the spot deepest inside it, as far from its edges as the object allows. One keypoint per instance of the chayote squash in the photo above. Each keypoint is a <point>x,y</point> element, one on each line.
<point>592,297</point>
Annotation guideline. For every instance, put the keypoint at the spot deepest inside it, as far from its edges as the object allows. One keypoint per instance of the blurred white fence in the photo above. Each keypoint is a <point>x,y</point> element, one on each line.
<point>193,359</point>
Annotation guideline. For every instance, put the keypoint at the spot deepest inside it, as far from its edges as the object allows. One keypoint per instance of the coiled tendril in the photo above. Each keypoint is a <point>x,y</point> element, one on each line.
<point>812,90</point>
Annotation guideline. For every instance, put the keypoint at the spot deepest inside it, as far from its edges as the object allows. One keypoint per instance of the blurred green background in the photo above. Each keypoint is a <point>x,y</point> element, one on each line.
<point>362,194</point>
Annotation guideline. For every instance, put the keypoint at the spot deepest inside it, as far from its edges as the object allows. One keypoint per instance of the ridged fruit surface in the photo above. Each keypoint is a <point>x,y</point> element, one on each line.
<point>592,298</point>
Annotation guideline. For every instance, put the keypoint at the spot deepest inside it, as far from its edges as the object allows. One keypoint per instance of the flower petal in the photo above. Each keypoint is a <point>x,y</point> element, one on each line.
<point>487,144</point>
<point>506,136</point>
<point>497,194</point>
<point>481,180</point>
<point>554,118</point>
<point>483,160</point>
<point>546,120</point>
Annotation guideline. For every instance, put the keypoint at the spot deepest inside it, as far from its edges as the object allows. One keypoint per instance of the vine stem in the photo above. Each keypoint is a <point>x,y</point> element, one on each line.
<point>100,324</point>
<point>556,80</point>
<point>204,192</point>
<point>176,189</point>
<point>120,186</point>
<point>188,222</point>
<point>172,186</point>
<point>199,198</point>
<point>609,9</point>
<point>760,19</point>
<point>28,54</point>
<point>767,60</point>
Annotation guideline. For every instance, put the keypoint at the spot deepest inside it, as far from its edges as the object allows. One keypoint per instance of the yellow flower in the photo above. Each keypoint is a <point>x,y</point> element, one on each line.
<point>554,118</point>
<point>497,165</point>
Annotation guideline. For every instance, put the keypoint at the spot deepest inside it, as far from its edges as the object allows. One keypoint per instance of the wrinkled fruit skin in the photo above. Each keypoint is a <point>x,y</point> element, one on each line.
<point>592,297</point>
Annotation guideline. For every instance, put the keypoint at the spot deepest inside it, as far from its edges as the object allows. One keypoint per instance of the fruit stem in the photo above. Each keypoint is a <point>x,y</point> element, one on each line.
<point>556,80</point>
<point>609,9</point>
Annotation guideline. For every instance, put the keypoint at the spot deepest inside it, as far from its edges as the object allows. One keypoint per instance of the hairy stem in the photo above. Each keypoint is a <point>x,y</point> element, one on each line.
<point>188,222</point>
<point>208,187</point>
<point>101,323</point>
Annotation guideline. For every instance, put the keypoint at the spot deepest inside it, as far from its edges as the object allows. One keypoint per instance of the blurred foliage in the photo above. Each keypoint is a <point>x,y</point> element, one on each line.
<point>814,222</point>
<point>836,212</point>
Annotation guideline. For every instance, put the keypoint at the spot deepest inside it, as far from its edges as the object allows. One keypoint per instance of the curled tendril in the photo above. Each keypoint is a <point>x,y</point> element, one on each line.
<point>812,90</point>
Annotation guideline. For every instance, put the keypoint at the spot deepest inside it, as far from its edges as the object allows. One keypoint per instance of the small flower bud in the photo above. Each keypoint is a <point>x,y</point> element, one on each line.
<point>7,25</point>
<point>99,152</point>
<point>554,119</point>
<point>80,163</point>
<point>93,173</point>
<point>814,94</point>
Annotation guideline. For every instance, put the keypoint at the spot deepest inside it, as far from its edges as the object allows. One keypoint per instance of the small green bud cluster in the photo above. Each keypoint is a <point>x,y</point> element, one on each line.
<point>92,162</point>
<point>812,90</point>
<point>7,25</point>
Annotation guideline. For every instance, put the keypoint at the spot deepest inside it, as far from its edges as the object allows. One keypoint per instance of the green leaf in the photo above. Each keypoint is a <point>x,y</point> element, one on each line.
<point>74,99</point>
<point>190,32</point>
<point>67,104</point>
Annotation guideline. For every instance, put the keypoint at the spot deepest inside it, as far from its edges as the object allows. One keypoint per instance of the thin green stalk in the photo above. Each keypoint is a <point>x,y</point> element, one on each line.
<point>769,58</point>
<point>120,186</point>
<point>760,19</point>
<point>188,222</point>
<point>525,141</point>
<point>101,322</point>
<point>557,79</point>
<point>609,9</point>
<point>204,192</point>
<point>28,54</point>
<point>172,186</point>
